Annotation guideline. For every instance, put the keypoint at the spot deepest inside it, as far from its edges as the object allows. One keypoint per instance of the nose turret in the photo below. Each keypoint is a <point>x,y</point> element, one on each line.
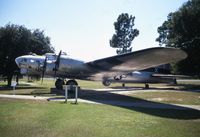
<point>22,61</point>
<point>17,61</point>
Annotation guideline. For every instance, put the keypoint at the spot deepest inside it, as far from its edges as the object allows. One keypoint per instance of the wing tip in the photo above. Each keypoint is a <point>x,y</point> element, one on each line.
<point>180,53</point>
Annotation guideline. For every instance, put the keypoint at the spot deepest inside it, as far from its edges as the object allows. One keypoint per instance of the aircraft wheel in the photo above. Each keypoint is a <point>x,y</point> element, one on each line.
<point>71,83</point>
<point>146,86</point>
<point>106,82</point>
<point>59,84</point>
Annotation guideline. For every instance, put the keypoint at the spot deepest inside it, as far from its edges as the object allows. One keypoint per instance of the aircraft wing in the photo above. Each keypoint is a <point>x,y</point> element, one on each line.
<point>170,76</point>
<point>138,60</point>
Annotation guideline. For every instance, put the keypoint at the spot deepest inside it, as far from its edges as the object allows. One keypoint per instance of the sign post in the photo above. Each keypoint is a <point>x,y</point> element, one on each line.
<point>14,84</point>
<point>68,87</point>
<point>76,95</point>
<point>66,93</point>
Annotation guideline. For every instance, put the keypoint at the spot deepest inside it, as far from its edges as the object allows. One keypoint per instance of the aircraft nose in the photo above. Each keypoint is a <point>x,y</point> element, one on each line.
<point>17,61</point>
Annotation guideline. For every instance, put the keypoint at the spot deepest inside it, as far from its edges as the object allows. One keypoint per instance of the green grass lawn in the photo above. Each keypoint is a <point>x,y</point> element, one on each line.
<point>24,118</point>
<point>181,97</point>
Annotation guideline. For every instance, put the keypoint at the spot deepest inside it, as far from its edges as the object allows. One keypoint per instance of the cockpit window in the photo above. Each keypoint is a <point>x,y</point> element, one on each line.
<point>52,57</point>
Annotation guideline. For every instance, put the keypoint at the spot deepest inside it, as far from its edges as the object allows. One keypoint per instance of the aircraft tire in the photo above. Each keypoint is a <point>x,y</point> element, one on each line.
<point>59,84</point>
<point>146,86</point>
<point>72,83</point>
<point>106,83</point>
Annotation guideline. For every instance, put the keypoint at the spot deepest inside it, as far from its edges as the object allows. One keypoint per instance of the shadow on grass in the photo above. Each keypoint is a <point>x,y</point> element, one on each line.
<point>189,86</point>
<point>142,88</point>
<point>20,87</point>
<point>140,105</point>
<point>132,103</point>
<point>178,87</point>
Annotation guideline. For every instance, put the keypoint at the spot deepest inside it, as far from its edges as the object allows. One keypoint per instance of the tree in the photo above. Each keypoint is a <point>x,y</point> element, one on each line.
<point>124,33</point>
<point>182,30</point>
<point>17,40</point>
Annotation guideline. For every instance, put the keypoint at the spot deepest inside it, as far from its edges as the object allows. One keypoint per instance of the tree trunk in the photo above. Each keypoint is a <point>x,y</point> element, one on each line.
<point>9,79</point>
<point>17,79</point>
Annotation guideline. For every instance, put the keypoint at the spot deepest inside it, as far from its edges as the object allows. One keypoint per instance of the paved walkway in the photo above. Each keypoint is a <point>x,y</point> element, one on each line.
<point>110,102</point>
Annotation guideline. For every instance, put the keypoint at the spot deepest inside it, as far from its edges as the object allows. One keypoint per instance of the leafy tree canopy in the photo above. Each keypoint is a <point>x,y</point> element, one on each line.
<point>124,33</point>
<point>16,40</point>
<point>182,30</point>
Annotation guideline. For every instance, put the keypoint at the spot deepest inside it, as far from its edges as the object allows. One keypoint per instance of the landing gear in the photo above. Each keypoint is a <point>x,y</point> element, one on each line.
<point>59,84</point>
<point>71,83</point>
<point>146,86</point>
<point>106,82</point>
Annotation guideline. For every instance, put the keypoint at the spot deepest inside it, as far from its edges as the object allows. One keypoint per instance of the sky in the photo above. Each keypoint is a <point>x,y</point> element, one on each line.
<point>83,28</point>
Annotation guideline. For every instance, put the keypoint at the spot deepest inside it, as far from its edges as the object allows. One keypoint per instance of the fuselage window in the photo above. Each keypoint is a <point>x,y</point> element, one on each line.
<point>38,61</point>
<point>24,60</point>
<point>32,61</point>
<point>52,57</point>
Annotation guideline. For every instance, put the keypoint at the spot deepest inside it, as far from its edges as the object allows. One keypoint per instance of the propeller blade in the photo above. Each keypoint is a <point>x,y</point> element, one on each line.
<point>44,68</point>
<point>57,63</point>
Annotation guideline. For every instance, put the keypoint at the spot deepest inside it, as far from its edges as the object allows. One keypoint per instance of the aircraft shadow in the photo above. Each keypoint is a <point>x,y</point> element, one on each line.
<point>140,105</point>
<point>142,88</point>
<point>181,87</point>
<point>189,87</point>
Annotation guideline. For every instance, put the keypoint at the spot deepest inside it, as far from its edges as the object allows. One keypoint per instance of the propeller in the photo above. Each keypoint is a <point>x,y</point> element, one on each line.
<point>57,63</point>
<point>44,68</point>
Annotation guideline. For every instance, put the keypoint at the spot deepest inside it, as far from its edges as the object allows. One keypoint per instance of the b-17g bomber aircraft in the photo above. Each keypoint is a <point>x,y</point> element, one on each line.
<point>63,67</point>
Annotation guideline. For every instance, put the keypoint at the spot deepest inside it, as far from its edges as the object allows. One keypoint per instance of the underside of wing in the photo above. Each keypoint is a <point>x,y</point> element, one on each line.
<point>138,60</point>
